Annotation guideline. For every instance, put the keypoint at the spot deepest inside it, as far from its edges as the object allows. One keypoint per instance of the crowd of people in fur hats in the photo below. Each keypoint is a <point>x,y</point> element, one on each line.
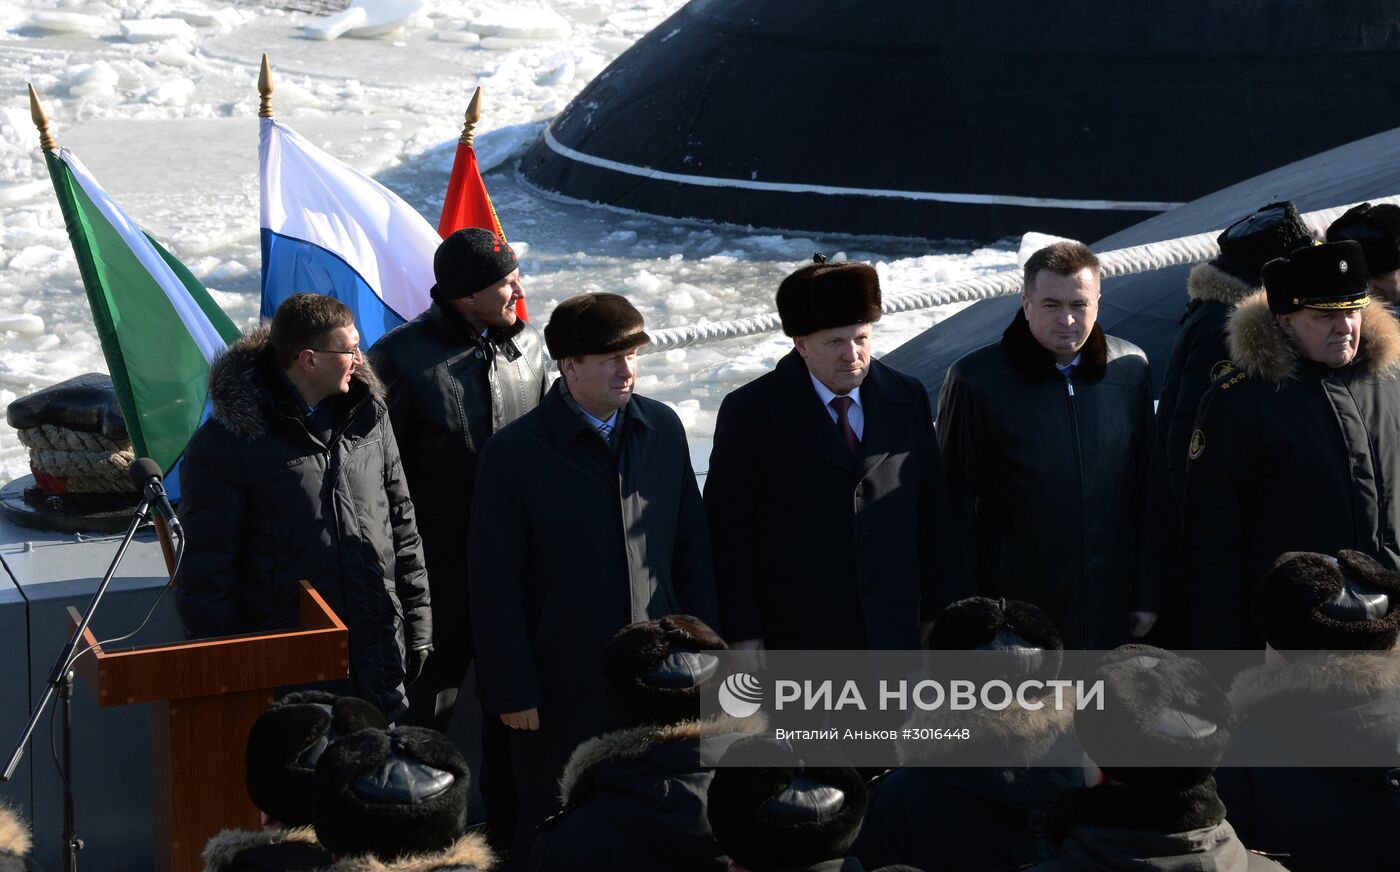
<point>475,494</point>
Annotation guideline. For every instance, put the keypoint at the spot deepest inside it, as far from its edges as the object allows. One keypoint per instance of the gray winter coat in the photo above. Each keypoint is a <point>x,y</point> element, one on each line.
<point>448,391</point>
<point>1113,827</point>
<point>265,503</point>
<point>1050,479</point>
<point>1288,455</point>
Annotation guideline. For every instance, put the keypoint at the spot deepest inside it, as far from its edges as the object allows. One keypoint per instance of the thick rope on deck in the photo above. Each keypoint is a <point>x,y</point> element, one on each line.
<point>84,462</point>
<point>1120,262</point>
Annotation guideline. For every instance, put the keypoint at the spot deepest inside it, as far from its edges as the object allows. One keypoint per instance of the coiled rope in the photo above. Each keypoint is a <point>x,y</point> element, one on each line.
<point>1120,262</point>
<point>73,461</point>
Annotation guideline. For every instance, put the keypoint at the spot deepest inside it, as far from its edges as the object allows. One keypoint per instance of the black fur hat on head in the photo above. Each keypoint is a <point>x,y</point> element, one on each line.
<point>391,793</point>
<point>1328,276</point>
<point>1377,229</point>
<point>286,742</point>
<point>782,814</point>
<point>1313,602</point>
<point>1164,723</point>
<point>655,671</point>
<point>1271,231</point>
<point>823,295</point>
<point>1023,636</point>
<point>470,260</point>
<point>594,324</point>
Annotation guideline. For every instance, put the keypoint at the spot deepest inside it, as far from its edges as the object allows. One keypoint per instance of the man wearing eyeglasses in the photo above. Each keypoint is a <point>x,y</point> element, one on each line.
<point>296,475</point>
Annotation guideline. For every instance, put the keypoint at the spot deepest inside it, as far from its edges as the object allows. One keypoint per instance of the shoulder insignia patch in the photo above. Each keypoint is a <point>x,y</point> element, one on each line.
<point>1198,445</point>
<point>1220,369</point>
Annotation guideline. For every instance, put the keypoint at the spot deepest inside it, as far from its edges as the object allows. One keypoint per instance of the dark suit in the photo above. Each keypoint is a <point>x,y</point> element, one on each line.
<point>815,548</point>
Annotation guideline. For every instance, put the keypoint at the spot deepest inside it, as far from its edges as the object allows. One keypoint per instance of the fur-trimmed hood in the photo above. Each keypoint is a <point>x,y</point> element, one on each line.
<point>222,850</point>
<point>14,835</point>
<point>468,854</point>
<point>1034,362</point>
<point>1209,283</point>
<point>1259,346</point>
<point>239,384</point>
<point>1362,675</point>
<point>575,784</point>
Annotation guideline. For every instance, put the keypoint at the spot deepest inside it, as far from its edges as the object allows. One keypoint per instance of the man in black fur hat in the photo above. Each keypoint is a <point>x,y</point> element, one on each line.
<point>1150,752</point>
<point>396,801</point>
<point>1328,693</point>
<point>586,518</point>
<point>825,492</point>
<point>634,799</point>
<point>769,811</point>
<point>1047,441</point>
<point>284,746</point>
<point>936,814</point>
<point>296,475</point>
<point>1377,228</point>
<point>1299,449</point>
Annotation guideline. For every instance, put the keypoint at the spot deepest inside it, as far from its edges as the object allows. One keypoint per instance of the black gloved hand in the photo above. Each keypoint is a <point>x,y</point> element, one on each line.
<point>417,659</point>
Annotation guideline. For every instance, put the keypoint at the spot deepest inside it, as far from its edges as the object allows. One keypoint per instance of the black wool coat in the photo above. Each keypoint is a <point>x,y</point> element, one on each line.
<point>635,799</point>
<point>265,503</point>
<point>1288,455</point>
<point>570,542</point>
<point>1318,818</point>
<point>1051,480</point>
<point>448,390</point>
<point>817,549</point>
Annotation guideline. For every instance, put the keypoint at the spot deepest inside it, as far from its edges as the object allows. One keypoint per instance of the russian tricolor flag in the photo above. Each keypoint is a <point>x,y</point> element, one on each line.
<point>330,229</point>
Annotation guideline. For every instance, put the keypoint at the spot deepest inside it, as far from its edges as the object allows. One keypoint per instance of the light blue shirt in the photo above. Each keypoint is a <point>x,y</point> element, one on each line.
<point>855,415</point>
<point>611,422</point>
<point>1064,370</point>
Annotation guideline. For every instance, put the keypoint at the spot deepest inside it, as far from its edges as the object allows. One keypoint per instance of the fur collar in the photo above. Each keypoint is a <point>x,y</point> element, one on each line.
<point>1260,348</point>
<point>14,835</point>
<point>1023,732</point>
<point>238,384</point>
<point>468,852</point>
<point>220,851</point>
<point>1031,359</point>
<point>1209,283</point>
<point>1121,807</point>
<point>634,742</point>
<point>1365,675</point>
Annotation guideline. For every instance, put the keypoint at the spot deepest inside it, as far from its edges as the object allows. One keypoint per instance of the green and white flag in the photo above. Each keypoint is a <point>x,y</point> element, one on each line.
<point>159,327</point>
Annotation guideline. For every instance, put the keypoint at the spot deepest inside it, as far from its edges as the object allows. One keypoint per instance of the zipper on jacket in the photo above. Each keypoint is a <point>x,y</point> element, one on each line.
<point>1079,467</point>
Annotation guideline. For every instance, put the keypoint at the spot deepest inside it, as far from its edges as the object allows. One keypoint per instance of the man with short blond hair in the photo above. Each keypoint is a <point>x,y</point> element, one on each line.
<point>1046,440</point>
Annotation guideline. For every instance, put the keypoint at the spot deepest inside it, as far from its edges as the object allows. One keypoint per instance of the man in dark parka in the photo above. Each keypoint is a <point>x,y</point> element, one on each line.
<point>456,374</point>
<point>1047,442</point>
<point>586,518</point>
<point>1329,693</point>
<point>1299,448</point>
<point>296,475</point>
<point>829,527</point>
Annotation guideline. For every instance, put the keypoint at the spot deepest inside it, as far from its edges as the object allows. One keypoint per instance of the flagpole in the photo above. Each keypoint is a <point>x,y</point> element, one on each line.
<point>468,137</point>
<point>265,89</point>
<point>48,143</point>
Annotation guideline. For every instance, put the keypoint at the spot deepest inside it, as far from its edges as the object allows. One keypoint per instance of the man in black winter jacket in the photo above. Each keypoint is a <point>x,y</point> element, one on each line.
<point>1299,448</point>
<point>1047,443</point>
<point>634,798</point>
<point>296,475</point>
<point>455,375</point>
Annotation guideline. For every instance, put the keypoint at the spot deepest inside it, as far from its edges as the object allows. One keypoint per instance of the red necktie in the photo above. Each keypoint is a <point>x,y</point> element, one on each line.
<point>842,405</point>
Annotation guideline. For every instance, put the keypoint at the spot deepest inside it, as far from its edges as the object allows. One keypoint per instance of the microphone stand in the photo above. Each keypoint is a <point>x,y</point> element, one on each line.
<point>60,682</point>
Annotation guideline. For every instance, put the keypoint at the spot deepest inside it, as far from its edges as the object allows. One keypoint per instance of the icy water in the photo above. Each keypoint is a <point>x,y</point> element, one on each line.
<point>159,100</point>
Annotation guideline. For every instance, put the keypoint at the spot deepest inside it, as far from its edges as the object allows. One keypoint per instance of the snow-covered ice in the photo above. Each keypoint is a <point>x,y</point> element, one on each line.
<point>159,99</point>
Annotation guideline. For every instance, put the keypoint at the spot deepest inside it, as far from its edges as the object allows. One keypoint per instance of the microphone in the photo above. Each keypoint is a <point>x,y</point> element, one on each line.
<point>145,474</point>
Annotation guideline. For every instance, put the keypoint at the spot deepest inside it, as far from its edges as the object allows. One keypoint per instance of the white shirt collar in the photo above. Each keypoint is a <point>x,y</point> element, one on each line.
<point>827,396</point>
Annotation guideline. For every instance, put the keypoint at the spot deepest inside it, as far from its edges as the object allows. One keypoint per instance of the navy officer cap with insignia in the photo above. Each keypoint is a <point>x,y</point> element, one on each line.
<point>1329,276</point>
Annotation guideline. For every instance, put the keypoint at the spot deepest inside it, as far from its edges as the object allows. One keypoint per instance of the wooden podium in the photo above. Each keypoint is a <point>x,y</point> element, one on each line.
<point>205,695</point>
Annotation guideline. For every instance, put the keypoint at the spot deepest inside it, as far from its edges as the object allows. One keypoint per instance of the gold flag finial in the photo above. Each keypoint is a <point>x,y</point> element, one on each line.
<point>473,116</point>
<point>265,89</point>
<point>41,121</point>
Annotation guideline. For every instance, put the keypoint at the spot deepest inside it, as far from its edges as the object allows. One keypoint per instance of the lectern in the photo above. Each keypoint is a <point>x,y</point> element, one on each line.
<point>205,695</point>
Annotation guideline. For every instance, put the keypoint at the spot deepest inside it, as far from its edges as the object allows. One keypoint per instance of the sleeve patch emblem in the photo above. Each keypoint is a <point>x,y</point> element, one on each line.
<point>1198,445</point>
<point>1220,369</point>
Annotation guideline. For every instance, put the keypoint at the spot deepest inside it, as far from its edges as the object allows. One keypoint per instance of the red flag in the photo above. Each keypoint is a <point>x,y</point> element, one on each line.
<point>467,203</point>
